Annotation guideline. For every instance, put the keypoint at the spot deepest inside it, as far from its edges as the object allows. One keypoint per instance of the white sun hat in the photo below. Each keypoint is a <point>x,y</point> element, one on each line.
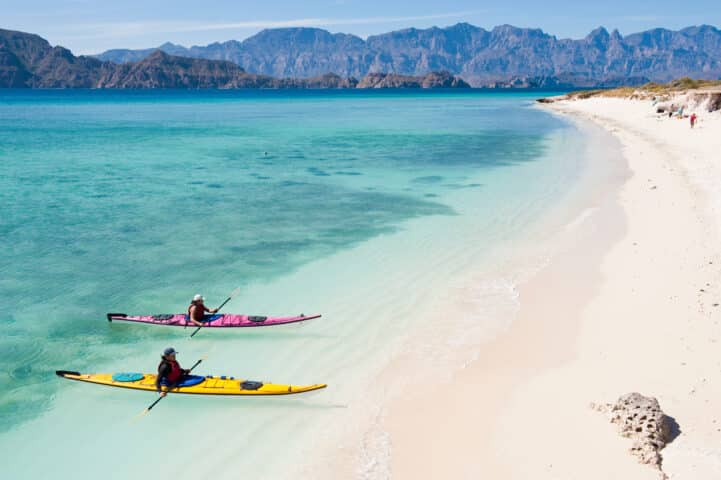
<point>198,298</point>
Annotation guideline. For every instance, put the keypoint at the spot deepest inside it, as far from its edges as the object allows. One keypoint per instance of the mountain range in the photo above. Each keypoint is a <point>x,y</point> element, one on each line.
<point>503,56</point>
<point>29,61</point>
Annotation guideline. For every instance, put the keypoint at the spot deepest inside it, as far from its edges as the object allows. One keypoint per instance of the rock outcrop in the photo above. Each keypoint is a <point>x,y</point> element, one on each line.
<point>12,72</point>
<point>501,56</point>
<point>161,70</point>
<point>329,80</point>
<point>683,94</point>
<point>431,80</point>
<point>709,101</point>
<point>28,60</point>
<point>565,82</point>
<point>687,101</point>
<point>641,419</point>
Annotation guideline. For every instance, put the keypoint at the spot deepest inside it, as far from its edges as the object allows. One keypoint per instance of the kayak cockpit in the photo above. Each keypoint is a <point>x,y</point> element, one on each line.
<point>189,381</point>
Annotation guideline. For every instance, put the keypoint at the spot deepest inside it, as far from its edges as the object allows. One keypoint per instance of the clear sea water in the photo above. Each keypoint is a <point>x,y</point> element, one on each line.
<point>341,203</point>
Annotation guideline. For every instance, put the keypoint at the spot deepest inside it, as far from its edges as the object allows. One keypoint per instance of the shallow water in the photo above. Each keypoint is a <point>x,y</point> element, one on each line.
<point>349,204</point>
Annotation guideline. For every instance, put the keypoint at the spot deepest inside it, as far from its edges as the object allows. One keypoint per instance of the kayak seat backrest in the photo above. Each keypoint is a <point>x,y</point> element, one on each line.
<point>257,319</point>
<point>127,377</point>
<point>250,385</point>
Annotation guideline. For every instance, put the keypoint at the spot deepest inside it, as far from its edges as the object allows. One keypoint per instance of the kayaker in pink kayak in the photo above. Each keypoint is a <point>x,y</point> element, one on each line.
<point>197,310</point>
<point>169,372</point>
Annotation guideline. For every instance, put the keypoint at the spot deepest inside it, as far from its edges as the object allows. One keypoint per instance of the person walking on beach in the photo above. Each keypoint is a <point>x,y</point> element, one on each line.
<point>693,119</point>
<point>169,372</point>
<point>197,309</point>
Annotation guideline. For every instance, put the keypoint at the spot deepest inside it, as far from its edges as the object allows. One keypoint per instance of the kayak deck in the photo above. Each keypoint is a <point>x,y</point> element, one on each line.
<point>209,385</point>
<point>219,320</point>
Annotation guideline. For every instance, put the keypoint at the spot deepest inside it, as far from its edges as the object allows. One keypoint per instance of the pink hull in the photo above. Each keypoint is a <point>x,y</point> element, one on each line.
<point>217,320</point>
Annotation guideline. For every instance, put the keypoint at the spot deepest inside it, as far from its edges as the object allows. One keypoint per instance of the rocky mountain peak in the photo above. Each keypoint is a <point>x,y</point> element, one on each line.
<point>598,37</point>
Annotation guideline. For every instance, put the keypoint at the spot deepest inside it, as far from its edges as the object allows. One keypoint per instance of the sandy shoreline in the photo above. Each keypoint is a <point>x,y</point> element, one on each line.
<point>620,309</point>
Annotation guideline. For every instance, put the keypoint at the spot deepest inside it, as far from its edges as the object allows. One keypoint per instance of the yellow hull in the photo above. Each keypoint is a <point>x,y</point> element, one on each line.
<point>210,386</point>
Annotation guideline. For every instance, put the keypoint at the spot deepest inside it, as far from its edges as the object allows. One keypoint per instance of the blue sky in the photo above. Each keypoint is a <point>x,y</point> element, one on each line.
<point>92,26</point>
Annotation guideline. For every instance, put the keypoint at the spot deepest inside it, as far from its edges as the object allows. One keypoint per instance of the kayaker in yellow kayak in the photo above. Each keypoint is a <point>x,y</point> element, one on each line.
<point>169,372</point>
<point>197,310</point>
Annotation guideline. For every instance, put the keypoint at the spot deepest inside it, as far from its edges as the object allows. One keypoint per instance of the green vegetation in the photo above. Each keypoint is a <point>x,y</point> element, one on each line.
<point>650,89</point>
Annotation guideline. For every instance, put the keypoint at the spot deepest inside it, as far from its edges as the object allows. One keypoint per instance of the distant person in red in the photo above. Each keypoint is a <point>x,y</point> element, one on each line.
<point>197,310</point>
<point>693,119</point>
<point>169,372</point>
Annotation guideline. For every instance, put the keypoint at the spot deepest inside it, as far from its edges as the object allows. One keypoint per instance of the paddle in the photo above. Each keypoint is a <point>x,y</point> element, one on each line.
<point>160,398</point>
<point>233,294</point>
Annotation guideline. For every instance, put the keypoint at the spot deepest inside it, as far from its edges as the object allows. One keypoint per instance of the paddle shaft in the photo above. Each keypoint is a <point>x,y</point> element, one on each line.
<point>217,310</point>
<point>160,398</point>
<point>223,304</point>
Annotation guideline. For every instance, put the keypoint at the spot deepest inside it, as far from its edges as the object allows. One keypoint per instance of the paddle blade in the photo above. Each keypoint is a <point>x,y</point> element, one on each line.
<point>140,415</point>
<point>230,297</point>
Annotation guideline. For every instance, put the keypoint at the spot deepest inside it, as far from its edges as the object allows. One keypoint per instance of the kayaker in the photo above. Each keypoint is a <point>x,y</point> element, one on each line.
<point>169,372</point>
<point>197,310</point>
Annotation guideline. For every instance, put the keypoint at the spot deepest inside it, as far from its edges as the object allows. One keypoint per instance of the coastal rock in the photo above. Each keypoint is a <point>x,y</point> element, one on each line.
<point>13,73</point>
<point>442,80</point>
<point>327,81</point>
<point>431,80</point>
<point>29,61</point>
<point>563,82</point>
<point>641,419</point>
<point>709,101</point>
<point>683,95</point>
<point>161,70</point>
<point>554,99</point>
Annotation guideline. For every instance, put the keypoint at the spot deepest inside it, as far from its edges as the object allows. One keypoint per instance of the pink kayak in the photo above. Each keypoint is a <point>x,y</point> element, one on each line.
<point>216,320</point>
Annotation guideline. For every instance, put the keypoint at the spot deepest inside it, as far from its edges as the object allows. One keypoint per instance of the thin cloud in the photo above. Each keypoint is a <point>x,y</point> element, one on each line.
<point>125,29</point>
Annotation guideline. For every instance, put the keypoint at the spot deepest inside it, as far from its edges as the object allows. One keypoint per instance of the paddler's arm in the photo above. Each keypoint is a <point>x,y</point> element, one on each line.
<point>163,370</point>
<point>158,387</point>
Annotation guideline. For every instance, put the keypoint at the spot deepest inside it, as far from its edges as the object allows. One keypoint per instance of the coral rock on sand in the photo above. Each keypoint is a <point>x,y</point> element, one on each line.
<point>642,420</point>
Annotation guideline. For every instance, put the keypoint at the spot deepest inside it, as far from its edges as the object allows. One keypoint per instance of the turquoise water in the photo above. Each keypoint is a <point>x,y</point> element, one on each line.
<point>135,201</point>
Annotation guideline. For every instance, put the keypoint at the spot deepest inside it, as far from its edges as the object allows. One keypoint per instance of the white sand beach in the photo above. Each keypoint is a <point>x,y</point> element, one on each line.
<point>629,304</point>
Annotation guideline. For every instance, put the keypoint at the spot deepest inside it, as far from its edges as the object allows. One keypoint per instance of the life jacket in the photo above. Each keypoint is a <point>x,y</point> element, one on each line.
<point>175,371</point>
<point>197,307</point>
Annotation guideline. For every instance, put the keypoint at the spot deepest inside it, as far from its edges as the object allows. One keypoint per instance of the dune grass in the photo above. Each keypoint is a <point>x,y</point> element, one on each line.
<point>650,89</point>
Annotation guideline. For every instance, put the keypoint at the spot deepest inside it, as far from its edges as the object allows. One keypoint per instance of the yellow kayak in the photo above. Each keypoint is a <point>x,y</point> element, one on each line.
<point>192,384</point>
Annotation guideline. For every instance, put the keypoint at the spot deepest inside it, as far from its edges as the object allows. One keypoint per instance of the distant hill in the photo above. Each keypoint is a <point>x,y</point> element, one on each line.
<point>29,61</point>
<point>505,56</point>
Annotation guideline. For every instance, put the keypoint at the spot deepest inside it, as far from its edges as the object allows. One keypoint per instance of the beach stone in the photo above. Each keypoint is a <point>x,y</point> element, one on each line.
<point>641,419</point>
